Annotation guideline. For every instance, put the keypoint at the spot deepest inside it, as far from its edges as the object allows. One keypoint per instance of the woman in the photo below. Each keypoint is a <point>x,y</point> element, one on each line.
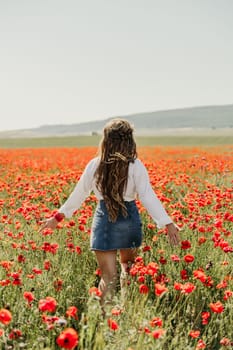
<point>117,177</point>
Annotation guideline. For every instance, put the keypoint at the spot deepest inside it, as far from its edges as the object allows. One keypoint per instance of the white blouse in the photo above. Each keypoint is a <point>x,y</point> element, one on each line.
<point>138,185</point>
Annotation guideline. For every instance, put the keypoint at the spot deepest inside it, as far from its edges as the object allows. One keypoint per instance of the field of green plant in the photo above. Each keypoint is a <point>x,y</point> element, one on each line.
<point>179,298</point>
<point>87,141</point>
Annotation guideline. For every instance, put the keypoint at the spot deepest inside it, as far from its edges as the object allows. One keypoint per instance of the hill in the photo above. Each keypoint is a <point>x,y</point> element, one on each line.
<point>182,121</point>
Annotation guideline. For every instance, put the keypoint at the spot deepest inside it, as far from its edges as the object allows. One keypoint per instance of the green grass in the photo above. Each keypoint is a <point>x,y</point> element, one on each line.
<point>84,141</point>
<point>33,183</point>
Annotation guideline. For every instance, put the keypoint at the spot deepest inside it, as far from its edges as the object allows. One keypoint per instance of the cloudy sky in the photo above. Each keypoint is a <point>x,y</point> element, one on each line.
<point>70,61</point>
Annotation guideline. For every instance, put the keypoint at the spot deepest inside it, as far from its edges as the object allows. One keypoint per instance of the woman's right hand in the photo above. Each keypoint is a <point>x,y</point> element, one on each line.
<point>49,223</point>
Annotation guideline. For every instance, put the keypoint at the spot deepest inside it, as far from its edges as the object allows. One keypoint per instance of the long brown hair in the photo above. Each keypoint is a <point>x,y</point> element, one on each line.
<point>116,150</point>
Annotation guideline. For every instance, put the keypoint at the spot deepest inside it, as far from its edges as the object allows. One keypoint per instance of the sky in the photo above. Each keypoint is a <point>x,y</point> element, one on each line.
<point>73,61</point>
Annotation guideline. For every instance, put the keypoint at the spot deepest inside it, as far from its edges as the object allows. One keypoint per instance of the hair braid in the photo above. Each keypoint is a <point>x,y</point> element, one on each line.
<point>117,150</point>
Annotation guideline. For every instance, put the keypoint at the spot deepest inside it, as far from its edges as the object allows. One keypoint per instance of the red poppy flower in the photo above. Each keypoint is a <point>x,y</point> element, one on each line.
<point>48,304</point>
<point>194,334</point>
<point>15,334</point>
<point>112,324</point>
<point>205,315</point>
<point>160,289</point>
<point>201,344</point>
<point>47,265</point>
<point>188,288</point>
<point>95,291</point>
<point>68,338</point>
<point>175,258</point>
<point>217,307</point>
<point>158,333</point>
<point>189,258</point>
<point>6,264</point>
<point>28,296</point>
<point>226,342</point>
<point>185,244</point>
<point>72,312</point>
<point>156,321</point>
<point>146,248</point>
<point>227,294</point>
<point>201,240</point>
<point>5,316</point>
<point>116,312</point>
<point>184,274</point>
<point>98,272</point>
<point>200,275</point>
<point>143,289</point>
<point>141,279</point>
<point>221,285</point>
<point>178,286</point>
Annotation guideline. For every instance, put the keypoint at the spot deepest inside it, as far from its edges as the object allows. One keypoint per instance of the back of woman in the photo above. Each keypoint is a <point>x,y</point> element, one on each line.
<point>117,177</point>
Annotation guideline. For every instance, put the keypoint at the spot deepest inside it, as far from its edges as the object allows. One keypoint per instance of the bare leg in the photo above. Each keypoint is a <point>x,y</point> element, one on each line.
<point>127,258</point>
<point>107,264</point>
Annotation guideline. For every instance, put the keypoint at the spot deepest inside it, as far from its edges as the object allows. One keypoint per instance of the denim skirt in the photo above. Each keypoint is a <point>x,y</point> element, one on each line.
<point>125,232</point>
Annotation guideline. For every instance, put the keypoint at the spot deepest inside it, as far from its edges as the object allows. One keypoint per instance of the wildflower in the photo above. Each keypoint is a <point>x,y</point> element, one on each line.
<point>151,226</point>
<point>157,333</point>
<point>156,321</point>
<point>194,334</point>
<point>67,339</point>
<point>200,275</point>
<point>205,315</point>
<point>217,307</point>
<point>185,244</point>
<point>116,312</point>
<point>222,284</point>
<point>162,260</point>
<point>47,231</point>
<point>29,297</point>
<point>6,264</point>
<point>152,268</point>
<point>226,342</point>
<point>5,316</point>
<point>48,304</point>
<point>15,334</point>
<point>21,258</point>
<point>72,312</point>
<point>160,289</point>
<point>188,288</point>
<point>95,291</point>
<point>49,320</point>
<point>189,258</point>
<point>175,258</point>
<point>78,250</point>
<point>200,344</point>
<point>58,283</point>
<point>147,330</point>
<point>112,324</point>
<point>47,265</point>
<point>36,271</point>
<point>146,248</point>
<point>143,289</point>
<point>201,240</point>
<point>184,274</point>
<point>141,279</point>
<point>227,294</point>
<point>178,286</point>
<point>98,272</point>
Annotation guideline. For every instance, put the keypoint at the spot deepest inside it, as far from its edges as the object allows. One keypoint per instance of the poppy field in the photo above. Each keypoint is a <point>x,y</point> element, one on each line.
<point>178,297</point>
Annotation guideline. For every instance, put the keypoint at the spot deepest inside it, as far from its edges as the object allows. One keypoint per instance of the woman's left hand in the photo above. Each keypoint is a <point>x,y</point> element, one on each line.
<point>173,234</point>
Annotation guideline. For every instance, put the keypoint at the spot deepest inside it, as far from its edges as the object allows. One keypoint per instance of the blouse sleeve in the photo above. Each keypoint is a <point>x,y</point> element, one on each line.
<point>80,192</point>
<point>148,197</point>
